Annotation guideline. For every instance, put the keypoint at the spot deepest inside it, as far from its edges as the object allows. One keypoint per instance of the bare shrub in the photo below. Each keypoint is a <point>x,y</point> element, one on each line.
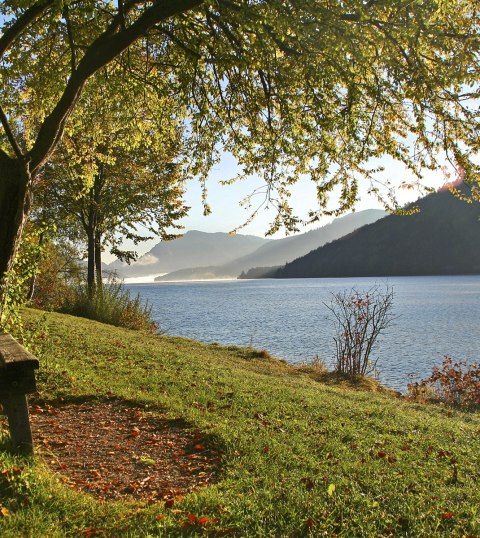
<point>359,319</point>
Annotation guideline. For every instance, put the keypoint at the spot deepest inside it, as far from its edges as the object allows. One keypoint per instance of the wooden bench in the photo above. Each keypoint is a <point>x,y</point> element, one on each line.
<point>17,379</point>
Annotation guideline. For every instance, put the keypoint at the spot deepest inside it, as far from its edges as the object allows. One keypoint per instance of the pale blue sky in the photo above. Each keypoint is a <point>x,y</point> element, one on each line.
<point>227,213</point>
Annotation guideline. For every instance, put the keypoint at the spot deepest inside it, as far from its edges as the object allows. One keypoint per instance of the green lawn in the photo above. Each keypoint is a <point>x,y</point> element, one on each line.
<point>300,457</point>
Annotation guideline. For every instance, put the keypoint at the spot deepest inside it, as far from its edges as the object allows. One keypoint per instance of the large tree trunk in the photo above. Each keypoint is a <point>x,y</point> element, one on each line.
<point>15,184</point>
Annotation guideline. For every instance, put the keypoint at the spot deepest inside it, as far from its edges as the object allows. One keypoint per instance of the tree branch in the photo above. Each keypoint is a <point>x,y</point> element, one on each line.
<point>112,42</point>
<point>19,26</point>
<point>180,43</point>
<point>121,12</point>
<point>71,39</point>
<point>10,135</point>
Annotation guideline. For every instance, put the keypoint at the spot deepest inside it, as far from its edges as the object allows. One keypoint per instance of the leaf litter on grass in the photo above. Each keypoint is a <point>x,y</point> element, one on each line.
<point>115,451</point>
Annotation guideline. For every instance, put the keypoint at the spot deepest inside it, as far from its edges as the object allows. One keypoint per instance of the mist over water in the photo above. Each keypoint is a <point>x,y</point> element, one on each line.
<point>436,316</point>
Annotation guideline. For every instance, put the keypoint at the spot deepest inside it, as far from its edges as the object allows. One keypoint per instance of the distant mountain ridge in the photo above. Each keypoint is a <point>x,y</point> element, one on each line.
<point>443,238</point>
<point>193,248</point>
<point>278,251</point>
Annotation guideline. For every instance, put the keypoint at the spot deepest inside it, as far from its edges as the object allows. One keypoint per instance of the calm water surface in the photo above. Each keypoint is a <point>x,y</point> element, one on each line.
<point>436,316</point>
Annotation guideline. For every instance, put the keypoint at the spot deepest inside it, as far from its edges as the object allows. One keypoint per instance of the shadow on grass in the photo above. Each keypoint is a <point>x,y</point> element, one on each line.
<point>130,451</point>
<point>159,411</point>
<point>345,381</point>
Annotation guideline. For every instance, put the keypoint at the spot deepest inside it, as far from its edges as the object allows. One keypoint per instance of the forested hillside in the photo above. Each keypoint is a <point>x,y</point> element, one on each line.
<point>442,238</point>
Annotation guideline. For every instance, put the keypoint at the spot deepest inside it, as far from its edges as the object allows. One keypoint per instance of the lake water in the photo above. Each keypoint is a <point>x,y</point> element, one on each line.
<point>436,316</point>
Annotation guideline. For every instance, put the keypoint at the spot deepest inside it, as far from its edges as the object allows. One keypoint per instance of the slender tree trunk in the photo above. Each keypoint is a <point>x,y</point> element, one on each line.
<point>91,229</point>
<point>15,183</point>
<point>98,260</point>
<point>91,261</point>
<point>95,201</point>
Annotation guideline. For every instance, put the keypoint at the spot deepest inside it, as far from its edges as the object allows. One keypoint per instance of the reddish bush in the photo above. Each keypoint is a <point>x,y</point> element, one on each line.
<point>456,383</point>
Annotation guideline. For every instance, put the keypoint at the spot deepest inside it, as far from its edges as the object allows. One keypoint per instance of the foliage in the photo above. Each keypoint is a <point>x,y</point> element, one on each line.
<point>118,167</point>
<point>289,88</point>
<point>58,273</point>
<point>398,468</point>
<point>114,305</point>
<point>455,383</point>
<point>19,278</point>
<point>359,318</point>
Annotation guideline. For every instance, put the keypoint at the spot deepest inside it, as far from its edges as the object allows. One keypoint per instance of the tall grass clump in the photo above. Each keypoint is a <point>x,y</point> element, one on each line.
<point>112,304</point>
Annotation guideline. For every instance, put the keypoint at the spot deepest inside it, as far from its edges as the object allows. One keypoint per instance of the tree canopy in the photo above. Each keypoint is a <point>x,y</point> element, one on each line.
<point>289,87</point>
<point>119,166</point>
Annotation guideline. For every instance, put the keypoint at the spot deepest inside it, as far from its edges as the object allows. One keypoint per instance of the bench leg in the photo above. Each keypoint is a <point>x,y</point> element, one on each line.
<point>16,409</point>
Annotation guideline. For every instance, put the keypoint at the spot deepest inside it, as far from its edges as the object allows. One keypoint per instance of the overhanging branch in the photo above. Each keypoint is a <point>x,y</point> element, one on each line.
<point>112,42</point>
<point>20,25</point>
<point>10,135</point>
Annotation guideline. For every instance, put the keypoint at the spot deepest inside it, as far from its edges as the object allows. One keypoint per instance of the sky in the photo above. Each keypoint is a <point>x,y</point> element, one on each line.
<point>227,214</point>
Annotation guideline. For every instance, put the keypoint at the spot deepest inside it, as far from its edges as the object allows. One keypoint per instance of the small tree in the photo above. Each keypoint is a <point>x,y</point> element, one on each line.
<point>359,318</point>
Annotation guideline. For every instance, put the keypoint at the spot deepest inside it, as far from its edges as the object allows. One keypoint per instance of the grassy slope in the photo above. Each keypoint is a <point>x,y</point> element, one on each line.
<point>286,438</point>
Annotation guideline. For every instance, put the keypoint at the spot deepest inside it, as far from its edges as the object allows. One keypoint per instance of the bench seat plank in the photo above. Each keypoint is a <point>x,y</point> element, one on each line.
<point>12,354</point>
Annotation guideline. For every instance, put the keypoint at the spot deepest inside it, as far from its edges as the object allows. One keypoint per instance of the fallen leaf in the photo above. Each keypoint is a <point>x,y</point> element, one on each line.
<point>308,483</point>
<point>203,521</point>
<point>192,518</point>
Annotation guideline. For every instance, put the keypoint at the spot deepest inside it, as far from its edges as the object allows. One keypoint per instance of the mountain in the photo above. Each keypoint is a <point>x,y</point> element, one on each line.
<point>442,238</point>
<point>279,251</point>
<point>193,248</point>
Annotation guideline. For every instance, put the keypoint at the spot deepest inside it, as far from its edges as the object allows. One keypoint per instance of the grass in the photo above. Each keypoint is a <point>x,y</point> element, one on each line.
<point>301,457</point>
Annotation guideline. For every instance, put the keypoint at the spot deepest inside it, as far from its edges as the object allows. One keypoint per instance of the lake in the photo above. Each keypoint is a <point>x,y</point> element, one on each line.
<point>435,316</point>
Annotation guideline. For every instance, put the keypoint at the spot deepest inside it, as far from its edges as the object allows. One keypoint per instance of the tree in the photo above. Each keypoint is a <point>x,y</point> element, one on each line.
<point>115,170</point>
<point>290,87</point>
<point>124,194</point>
<point>35,42</point>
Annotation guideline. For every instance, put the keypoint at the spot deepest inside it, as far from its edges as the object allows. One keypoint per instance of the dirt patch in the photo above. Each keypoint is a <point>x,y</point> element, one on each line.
<point>114,451</point>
